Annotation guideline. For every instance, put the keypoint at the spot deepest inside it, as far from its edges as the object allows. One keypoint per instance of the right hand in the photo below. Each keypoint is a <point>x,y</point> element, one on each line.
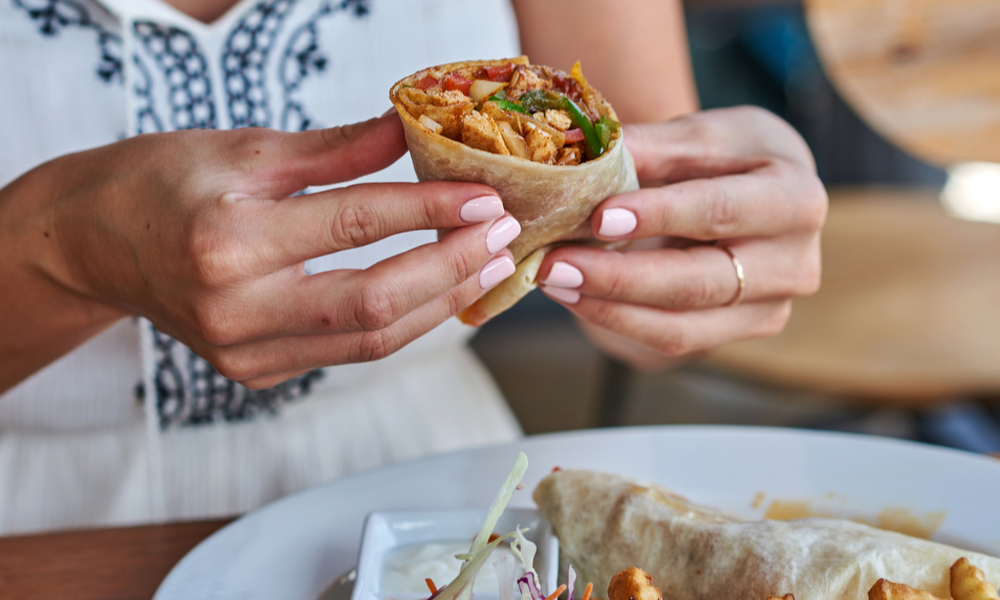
<point>198,231</point>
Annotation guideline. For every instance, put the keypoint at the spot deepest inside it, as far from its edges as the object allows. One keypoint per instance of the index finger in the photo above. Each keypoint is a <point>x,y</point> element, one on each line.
<point>332,155</point>
<point>289,231</point>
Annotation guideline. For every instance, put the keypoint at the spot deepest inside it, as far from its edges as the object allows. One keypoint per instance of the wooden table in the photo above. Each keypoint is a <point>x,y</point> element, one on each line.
<point>125,563</point>
<point>924,73</point>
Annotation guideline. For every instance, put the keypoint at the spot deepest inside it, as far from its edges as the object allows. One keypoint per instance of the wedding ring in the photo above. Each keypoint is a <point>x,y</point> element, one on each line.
<point>739,276</point>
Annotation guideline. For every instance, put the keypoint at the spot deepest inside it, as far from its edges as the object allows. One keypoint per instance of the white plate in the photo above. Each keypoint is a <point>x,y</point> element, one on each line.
<point>388,531</point>
<point>295,547</point>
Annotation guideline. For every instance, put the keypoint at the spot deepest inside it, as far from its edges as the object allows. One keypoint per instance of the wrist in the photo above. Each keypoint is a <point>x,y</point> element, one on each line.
<point>44,315</point>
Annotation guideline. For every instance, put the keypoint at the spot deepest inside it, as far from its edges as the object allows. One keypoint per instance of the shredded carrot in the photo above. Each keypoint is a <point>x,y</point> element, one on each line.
<point>430,584</point>
<point>555,594</point>
<point>587,590</point>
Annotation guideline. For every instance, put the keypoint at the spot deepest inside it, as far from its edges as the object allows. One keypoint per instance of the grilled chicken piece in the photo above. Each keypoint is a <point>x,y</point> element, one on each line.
<point>569,156</point>
<point>524,80</point>
<point>541,145</point>
<point>481,132</point>
<point>447,97</point>
<point>555,118</point>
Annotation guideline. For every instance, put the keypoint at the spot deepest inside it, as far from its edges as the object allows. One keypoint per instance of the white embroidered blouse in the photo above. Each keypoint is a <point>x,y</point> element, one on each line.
<point>132,426</point>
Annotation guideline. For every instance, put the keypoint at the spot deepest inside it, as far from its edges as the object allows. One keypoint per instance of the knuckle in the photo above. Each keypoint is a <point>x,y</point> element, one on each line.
<point>756,114</point>
<point>335,137</point>
<point>375,308</point>
<point>215,262</point>
<point>232,365</point>
<point>618,285</point>
<point>212,326</point>
<point>464,264</point>
<point>698,292</point>
<point>354,226</point>
<point>815,203</point>
<point>809,276</point>
<point>677,342</point>
<point>374,345</point>
<point>605,315</point>
<point>724,212</point>
<point>456,301</point>
<point>776,321</point>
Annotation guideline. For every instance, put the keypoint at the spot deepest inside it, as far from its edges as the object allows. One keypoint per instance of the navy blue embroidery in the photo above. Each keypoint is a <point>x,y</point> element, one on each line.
<point>190,392</point>
<point>147,120</point>
<point>181,60</point>
<point>52,16</point>
<point>302,58</point>
<point>244,59</point>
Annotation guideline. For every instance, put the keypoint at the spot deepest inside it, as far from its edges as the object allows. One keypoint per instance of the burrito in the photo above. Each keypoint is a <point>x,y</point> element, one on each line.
<point>548,142</point>
<point>606,523</point>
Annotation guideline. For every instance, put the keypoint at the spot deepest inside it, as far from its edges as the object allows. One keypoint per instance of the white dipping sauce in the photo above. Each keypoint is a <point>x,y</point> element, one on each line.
<point>405,568</point>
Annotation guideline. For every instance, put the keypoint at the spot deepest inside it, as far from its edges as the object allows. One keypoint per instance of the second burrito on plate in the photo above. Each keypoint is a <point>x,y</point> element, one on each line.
<point>545,140</point>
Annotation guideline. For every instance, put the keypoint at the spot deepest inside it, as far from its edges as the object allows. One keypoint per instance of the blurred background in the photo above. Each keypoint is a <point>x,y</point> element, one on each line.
<point>902,340</point>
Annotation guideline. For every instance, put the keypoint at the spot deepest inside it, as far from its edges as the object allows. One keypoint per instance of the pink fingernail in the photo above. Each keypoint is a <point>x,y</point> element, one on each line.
<point>616,222</point>
<point>495,271</point>
<point>502,233</point>
<point>564,275</point>
<point>562,294</point>
<point>481,209</point>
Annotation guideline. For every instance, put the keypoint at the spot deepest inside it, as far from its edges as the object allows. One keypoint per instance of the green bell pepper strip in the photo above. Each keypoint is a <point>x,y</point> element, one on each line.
<point>606,127</point>
<point>594,146</point>
<point>507,104</point>
<point>540,100</point>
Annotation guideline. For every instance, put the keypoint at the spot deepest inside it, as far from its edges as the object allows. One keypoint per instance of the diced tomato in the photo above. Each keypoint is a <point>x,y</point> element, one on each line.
<point>454,81</point>
<point>574,135</point>
<point>427,82</point>
<point>497,73</point>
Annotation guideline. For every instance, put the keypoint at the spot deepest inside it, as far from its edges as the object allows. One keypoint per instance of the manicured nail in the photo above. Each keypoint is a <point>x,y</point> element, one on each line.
<point>562,294</point>
<point>481,209</point>
<point>616,222</point>
<point>495,271</point>
<point>502,233</point>
<point>564,275</point>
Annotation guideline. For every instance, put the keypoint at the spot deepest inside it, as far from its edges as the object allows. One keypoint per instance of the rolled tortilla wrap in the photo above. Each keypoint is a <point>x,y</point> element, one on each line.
<point>553,203</point>
<point>606,523</point>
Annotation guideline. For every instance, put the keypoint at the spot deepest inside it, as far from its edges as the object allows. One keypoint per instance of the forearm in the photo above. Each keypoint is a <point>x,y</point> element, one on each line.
<point>43,319</point>
<point>634,51</point>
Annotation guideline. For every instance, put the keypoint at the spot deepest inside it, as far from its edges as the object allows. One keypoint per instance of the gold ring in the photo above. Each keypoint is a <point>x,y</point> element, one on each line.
<point>739,276</point>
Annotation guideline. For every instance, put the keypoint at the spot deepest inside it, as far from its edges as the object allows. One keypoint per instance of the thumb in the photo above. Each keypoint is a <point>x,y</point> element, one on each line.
<point>336,154</point>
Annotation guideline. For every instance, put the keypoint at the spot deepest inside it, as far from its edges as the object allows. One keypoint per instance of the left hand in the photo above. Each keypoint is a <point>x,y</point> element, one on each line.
<point>738,178</point>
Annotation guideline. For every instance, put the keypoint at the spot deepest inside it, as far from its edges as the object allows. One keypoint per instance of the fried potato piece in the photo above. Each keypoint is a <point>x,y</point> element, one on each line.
<point>969,583</point>
<point>887,590</point>
<point>633,584</point>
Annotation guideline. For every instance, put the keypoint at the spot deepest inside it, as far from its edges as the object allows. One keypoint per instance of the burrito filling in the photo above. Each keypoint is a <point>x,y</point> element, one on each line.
<point>533,112</point>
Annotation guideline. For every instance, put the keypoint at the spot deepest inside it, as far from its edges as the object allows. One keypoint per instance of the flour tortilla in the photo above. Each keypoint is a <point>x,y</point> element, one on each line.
<point>606,523</point>
<point>552,203</point>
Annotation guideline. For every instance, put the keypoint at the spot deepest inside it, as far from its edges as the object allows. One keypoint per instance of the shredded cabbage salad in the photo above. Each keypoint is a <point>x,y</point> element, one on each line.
<point>528,584</point>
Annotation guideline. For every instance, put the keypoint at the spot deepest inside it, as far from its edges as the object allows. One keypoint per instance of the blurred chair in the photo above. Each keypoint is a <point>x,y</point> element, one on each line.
<point>909,311</point>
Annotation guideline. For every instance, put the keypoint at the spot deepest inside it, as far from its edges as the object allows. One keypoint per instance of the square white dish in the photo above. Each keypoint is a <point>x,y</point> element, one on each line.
<point>389,531</point>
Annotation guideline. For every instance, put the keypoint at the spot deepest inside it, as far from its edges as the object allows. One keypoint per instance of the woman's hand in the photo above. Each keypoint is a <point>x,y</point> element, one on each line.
<point>739,179</point>
<point>199,231</point>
